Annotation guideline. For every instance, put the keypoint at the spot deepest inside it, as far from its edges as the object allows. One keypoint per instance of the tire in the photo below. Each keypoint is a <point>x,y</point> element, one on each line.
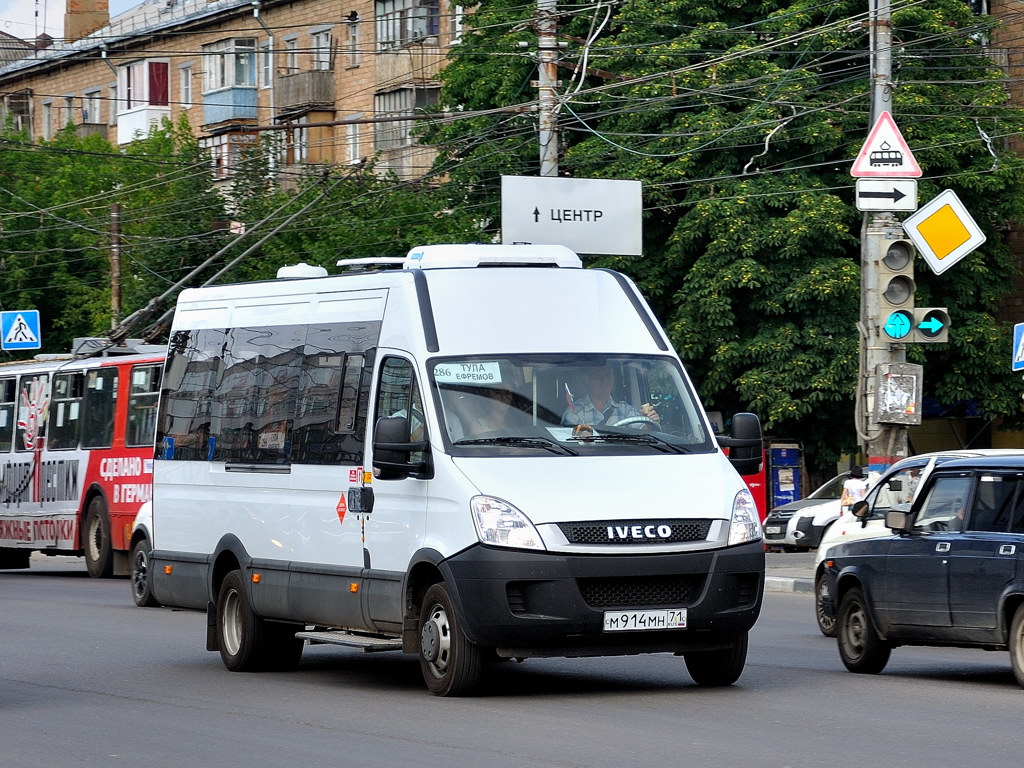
<point>714,669</point>
<point>450,663</point>
<point>12,558</point>
<point>142,590</point>
<point>860,647</point>
<point>1017,645</point>
<point>96,544</point>
<point>247,642</point>
<point>826,617</point>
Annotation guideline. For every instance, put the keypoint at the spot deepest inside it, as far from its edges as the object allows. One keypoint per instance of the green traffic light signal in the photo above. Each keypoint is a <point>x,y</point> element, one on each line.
<point>931,325</point>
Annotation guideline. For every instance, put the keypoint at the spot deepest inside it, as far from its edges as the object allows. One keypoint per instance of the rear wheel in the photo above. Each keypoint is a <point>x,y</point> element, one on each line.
<point>142,592</point>
<point>450,663</point>
<point>824,611</point>
<point>860,647</point>
<point>96,545</point>
<point>249,643</point>
<point>718,668</point>
<point>1017,645</point>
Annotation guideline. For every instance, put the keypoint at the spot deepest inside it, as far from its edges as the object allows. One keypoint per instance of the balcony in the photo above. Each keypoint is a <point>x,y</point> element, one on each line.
<point>229,104</point>
<point>301,91</point>
<point>136,122</point>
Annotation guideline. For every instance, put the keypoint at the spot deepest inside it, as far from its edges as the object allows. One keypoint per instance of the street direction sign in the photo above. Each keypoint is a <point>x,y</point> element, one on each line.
<point>19,329</point>
<point>943,231</point>
<point>885,153</point>
<point>886,194</point>
<point>1017,359</point>
<point>591,216</point>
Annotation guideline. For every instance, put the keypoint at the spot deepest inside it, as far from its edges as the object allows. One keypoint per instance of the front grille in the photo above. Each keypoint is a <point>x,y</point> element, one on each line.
<point>641,591</point>
<point>659,531</point>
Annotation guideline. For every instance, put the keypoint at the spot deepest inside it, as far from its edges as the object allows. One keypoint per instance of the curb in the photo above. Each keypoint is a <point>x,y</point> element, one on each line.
<point>787,584</point>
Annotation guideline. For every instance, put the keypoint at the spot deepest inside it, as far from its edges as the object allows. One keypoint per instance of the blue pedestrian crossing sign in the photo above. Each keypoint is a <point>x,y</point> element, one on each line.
<point>1017,362</point>
<point>20,330</point>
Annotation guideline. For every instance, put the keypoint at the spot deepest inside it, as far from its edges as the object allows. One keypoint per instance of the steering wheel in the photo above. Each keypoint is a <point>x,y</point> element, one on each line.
<point>638,422</point>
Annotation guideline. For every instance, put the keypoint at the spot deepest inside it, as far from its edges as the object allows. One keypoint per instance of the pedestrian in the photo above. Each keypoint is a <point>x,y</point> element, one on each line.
<point>855,488</point>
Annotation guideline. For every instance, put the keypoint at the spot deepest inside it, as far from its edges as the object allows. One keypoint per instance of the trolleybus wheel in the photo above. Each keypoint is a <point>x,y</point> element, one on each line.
<point>96,545</point>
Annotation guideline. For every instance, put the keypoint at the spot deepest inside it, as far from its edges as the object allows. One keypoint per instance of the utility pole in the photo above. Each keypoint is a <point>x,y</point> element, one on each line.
<point>115,264</point>
<point>547,82</point>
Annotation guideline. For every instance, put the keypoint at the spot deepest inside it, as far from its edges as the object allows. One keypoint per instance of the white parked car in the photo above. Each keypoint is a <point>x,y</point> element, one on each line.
<point>896,487</point>
<point>799,525</point>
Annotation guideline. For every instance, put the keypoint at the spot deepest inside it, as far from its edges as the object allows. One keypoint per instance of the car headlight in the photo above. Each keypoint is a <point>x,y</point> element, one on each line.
<point>500,524</point>
<point>746,523</point>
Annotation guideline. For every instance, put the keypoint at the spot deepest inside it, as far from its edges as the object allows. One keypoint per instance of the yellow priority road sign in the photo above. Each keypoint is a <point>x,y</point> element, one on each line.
<point>943,231</point>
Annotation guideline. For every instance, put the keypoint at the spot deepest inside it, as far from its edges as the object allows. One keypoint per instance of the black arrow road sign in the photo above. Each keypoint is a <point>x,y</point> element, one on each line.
<point>887,194</point>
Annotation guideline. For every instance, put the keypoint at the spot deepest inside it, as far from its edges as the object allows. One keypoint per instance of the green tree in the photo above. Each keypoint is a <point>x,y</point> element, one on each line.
<point>742,120</point>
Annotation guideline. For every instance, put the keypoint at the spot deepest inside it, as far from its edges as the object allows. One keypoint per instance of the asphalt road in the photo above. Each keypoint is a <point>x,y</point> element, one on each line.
<point>87,679</point>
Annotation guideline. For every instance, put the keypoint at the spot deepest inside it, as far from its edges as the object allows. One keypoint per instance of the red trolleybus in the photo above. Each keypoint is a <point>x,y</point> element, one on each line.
<point>76,454</point>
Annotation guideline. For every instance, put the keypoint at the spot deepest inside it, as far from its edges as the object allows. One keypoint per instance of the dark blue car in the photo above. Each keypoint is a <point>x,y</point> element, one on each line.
<point>951,573</point>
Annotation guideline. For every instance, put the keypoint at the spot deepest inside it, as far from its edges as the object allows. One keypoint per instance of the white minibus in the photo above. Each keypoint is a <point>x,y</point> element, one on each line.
<point>480,452</point>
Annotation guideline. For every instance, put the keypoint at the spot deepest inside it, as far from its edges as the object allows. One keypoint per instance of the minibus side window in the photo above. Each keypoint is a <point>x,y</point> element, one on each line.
<point>190,376</point>
<point>399,395</point>
<point>65,410</point>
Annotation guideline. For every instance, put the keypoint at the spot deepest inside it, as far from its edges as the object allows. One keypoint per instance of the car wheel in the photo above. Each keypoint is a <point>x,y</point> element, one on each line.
<point>96,546</point>
<point>450,663</point>
<point>718,668</point>
<point>247,642</point>
<point>1017,645</point>
<point>860,647</point>
<point>142,591</point>
<point>824,611</point>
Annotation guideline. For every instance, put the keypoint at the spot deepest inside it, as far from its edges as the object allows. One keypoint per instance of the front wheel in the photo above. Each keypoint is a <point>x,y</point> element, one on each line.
<point>1017,645</point>
<point>96,544</point>
<point>450,663</point>
<point>718,668</point>
<point>824,611</point>
<point>860,647</point>
<point>142,590</point>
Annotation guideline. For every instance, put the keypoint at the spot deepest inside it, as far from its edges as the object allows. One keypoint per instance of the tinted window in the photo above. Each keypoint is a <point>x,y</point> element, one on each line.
<point>993,503</point>
<point>65,410</point>
<point>142,402</point>
<point>100,397</point>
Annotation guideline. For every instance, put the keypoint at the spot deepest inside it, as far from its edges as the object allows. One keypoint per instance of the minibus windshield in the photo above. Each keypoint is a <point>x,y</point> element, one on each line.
<point>567,405</point>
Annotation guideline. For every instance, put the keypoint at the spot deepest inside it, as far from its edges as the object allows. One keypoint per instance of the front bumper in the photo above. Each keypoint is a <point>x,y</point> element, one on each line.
<point>552,604</point>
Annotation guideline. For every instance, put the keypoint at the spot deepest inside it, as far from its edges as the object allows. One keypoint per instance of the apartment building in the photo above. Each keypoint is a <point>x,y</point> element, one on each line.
<point>334,80</point>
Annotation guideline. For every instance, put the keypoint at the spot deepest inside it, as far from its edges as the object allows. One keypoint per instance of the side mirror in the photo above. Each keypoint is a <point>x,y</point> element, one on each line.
<point>861,511</point>
<point>392,448</point>
<point>896,519</point>
<point>746,445</point>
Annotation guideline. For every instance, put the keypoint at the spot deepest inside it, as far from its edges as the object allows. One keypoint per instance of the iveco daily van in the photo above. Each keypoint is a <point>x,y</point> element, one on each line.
<point>487,452</point>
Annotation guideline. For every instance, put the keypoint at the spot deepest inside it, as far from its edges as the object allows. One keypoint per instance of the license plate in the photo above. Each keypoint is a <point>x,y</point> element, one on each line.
<point>634,621</point>
<point>773,529</point>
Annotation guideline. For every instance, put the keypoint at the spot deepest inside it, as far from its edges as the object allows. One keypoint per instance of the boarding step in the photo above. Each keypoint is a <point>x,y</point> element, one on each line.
<point>369,643</point>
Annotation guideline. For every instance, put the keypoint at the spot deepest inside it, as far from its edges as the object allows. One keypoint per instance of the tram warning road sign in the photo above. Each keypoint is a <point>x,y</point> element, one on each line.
<point>885,154</point>
<point>19,329</point>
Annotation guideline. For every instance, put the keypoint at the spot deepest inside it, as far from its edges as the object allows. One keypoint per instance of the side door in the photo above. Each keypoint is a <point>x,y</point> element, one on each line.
<point>983,559</point>
<point>916,573</point>
<point>394,529</point>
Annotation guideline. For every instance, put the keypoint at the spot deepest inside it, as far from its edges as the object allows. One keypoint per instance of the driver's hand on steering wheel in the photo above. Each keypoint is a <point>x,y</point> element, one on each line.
<point>648,410</point>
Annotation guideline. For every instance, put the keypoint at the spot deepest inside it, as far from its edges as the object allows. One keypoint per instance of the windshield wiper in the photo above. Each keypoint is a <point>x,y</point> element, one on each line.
<point>653,441</point>
<point>521,442</point>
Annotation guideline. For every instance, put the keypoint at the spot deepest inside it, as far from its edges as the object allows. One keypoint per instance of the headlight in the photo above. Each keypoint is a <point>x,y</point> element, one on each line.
<point>745,524</point>
<point>500,524</point>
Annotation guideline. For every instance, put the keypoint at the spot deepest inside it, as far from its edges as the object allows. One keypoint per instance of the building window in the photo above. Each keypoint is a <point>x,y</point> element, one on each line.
<point>398,104</point>
<point>47,119</point>
<point>352,41</point>
<point>320,41</point>
<point>113,104</point>
<point>225,150</point>
<point>266,65</point>
<point>229,64</point>
<point>296,143</point>
<point>352,144</point>
<point>68,117</point>
<point>185,81</point>
<point>143,84</point>
<point>91,108</point>
<point>405,21</point>
<point>291,55</point>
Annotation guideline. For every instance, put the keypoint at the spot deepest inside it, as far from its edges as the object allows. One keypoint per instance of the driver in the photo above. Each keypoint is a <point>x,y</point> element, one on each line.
<point>598,406</point>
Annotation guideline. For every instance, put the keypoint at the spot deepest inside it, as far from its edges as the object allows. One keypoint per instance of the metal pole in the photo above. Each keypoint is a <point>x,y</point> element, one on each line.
<point>115,264</point>
<point>547,81</point>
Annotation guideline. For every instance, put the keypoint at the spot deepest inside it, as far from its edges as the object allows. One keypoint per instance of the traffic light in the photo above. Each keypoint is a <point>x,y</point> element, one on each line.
<point>896,290</point>
<point>931,325</point>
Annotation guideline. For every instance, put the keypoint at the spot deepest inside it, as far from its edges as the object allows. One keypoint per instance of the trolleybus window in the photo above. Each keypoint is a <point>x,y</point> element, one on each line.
<point>100,396</point>
<point>33,395</point>
<point>7,402</point>
<point>142,402</point>
<point>65,410</point>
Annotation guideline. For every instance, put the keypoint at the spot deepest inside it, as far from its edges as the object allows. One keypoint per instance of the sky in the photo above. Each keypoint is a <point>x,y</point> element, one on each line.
<point>27,19</point>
